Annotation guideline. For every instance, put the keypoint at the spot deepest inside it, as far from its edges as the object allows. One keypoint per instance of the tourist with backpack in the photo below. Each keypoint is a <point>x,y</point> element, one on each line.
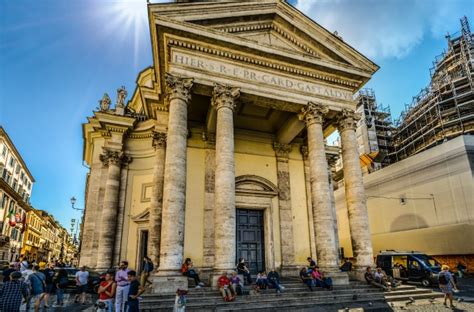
<point>37,281</point>
<point>447,284</point>
<point>61,281</point>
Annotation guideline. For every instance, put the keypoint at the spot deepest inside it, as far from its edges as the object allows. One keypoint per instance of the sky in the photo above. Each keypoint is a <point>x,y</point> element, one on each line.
<point>57,58</point>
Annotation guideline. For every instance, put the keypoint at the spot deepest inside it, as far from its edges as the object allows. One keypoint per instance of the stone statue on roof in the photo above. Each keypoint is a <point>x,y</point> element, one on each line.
<point>121,96</point>
<point>104,103</point>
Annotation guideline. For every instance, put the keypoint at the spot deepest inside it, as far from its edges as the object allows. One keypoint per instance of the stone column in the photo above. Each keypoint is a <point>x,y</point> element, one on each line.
<point>355,193</point>
<point>120,214</point>
<point>223,99</point>
<point>286,215</point>
<point>156,203</point>
<point>323,217</point>
<point>309,205</point>
<point>108,221</point>
<point>209,184</point>
<point>174,187</point>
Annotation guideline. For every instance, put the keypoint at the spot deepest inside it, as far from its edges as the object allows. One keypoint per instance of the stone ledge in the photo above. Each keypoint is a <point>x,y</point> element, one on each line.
<point>169,284</point>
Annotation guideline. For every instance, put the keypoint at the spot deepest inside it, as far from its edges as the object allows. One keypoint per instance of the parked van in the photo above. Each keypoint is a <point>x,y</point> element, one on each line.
<point>410,266</point>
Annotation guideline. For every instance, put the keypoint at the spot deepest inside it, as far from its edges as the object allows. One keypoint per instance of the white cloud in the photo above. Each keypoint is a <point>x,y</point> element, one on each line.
<point>387,28</point>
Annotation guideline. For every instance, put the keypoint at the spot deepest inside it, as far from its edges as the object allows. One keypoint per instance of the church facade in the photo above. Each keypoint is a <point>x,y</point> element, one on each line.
<point>220,152</point>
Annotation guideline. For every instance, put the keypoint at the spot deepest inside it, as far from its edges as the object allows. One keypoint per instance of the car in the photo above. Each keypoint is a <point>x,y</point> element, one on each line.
<point>4,264</point>
<point>410,266</point>
<point>92,283</point>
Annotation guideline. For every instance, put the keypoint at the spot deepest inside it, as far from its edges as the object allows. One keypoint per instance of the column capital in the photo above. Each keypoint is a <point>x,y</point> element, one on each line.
<point>224,96</point>
<point>282,150</point>
<point>347,119</point>
<point>159,139</point>
<point>178,87</point>
<point>114,157</point>
<point>313,113</point>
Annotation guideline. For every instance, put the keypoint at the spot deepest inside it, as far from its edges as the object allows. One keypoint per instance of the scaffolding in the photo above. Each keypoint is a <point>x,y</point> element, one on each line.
<point>374,132</point>
<point>444,109</point>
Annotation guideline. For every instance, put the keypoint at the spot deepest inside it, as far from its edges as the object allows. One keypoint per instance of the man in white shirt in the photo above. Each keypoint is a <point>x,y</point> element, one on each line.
<point>82,277</point>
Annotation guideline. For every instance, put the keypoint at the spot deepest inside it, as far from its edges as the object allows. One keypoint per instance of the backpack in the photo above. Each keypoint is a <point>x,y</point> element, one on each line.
<point>443,279</point>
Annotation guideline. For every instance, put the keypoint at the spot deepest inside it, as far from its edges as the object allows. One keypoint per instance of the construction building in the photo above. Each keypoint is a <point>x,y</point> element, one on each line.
<point>444,109</point>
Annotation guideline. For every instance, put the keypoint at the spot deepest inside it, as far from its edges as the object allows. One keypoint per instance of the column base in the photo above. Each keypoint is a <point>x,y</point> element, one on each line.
<point>168,284</point>
<point>291,270</point>
<point>358,274</point>
<point>338,277</point>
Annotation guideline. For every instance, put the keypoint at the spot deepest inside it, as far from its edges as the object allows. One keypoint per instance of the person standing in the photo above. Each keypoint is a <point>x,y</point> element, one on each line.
<point>447,284</point>
<point>123,286</point>
<point>49,274</point>
<point>107,290</point>
<point>82,277</point>
<point>13,292</point>
<point>147,269</point>
<point>7,272</point>
<point>135,291</point>
<point>243,269</point>
<point>61,282</point>
<point>37,281</point>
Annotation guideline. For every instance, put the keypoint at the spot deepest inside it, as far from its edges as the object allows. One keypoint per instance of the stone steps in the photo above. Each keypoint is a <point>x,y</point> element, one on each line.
<point>295,297</point>
<point>415,294</point>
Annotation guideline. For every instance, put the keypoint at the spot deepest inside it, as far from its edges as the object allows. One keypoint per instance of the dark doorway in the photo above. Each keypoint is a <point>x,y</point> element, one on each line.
<point>143,251</point>
<point>250,239</point>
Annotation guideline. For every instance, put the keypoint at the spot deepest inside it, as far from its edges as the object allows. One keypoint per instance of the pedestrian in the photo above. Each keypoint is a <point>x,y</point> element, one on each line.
<point>447,285</point>
<point>7,272</point>
<point>146,271</point>
<point>24,264</point>
<point>123,286</point>
<point>49,274</point>
<point>61,282</point>
<point>37,281</point>
<point>134,292</point>
<point>13,292</point>
<point>242,268</point>
<point>107,290</point>
<point>82,278</point>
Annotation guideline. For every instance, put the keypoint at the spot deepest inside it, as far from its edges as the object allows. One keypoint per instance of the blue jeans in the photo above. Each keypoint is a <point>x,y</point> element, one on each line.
<point>325,283</point>
<point>132,306</point>
<point>274,284</point>
<point>60,295</point>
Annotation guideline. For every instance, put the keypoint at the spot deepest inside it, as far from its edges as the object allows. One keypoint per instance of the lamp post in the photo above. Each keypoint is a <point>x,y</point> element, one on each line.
<point>73,203</point>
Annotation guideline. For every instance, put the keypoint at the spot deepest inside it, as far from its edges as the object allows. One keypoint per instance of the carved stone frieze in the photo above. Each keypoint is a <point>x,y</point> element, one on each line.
<point>348,120</point>
<point>224,96</point>
<point>313,113</point>
<point>178,87</point>
<point>159,139</point>
<point>115,157</point>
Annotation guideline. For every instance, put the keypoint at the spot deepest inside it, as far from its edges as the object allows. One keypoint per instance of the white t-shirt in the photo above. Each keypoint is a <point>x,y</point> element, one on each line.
<point>82,277</point>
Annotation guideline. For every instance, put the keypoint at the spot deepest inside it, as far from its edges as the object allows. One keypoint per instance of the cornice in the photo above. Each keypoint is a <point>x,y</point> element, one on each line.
<point>193,45</point>
<point>229,39</point>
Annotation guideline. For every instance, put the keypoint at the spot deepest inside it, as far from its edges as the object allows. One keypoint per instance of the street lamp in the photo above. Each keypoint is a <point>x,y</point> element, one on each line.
<point>73,202</point>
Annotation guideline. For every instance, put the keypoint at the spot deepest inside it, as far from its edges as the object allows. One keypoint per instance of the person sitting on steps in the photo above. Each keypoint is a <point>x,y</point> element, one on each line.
<point>187,269</point>
<point>225,288</point>
<point>311,264</point>
<point>346,266</point>
<point>236,284</point>
<point>243,269</point>
<point>320,280</point>
<point>306,277</point>
<point>261,281</point>
<point>273,279</point>
<point>370,278</point>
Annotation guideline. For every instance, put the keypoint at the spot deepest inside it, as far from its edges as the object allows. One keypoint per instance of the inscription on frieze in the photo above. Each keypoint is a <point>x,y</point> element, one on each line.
<point>249,74</point>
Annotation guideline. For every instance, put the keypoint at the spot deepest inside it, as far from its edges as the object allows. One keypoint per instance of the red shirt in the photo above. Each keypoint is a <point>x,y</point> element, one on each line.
<point>223,280</point>
<point>103,295</point>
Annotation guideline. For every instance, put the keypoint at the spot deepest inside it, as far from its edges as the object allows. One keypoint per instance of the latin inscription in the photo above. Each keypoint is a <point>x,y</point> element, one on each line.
<point>258,76</point>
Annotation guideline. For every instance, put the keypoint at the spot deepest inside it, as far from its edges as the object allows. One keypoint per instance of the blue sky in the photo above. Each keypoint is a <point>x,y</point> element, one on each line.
<point>58,57</point>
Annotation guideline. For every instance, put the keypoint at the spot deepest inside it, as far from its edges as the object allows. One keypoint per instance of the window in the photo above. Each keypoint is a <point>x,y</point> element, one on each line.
<point>17,169</point>
<point>15,184</point>
<point>22,176</point>
<point>4,150</point>
<point>12,161</point>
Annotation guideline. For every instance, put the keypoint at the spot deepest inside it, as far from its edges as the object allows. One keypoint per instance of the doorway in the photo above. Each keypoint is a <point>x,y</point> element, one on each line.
<point>143,250</point>
<point>250,239</point>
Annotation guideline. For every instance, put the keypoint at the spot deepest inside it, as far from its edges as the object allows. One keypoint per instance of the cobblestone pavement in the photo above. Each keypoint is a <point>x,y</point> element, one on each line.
<point>69,304</point>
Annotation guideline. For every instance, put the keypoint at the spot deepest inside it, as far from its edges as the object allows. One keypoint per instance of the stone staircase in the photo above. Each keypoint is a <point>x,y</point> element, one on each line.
<point>295,297</point>
<point>408,293</point>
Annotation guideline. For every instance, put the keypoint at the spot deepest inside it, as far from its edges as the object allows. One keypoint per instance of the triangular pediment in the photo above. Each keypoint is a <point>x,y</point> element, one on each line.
<point>269,23</point>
